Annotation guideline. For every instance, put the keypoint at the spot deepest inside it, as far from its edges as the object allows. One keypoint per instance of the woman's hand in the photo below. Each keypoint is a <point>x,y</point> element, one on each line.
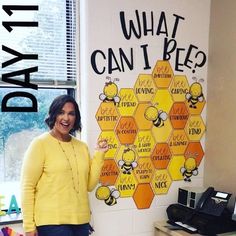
<point>32,233</point>
<point>102,145</point>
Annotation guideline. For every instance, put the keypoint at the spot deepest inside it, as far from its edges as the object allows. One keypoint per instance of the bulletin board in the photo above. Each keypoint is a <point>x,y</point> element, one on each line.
<point>146,91</point>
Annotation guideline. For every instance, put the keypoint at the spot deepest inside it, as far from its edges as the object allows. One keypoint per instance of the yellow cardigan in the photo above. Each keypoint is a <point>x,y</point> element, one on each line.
<point>55,181</point>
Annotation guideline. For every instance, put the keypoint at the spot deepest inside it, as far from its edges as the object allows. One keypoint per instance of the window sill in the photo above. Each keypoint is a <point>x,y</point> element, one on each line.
<point>11,219</point>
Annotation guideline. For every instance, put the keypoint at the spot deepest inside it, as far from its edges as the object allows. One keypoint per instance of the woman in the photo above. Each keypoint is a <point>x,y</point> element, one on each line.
<point>57,174</point>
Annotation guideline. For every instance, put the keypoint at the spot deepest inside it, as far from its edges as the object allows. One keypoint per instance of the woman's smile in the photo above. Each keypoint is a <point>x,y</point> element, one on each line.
<point>64,122</point>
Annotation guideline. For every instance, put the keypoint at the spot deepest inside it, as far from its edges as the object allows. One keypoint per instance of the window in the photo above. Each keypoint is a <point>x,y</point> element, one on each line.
<point>53,41</point>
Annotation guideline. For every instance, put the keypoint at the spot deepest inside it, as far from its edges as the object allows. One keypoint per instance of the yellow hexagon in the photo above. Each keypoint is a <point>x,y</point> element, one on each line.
<point>128,102</point>
<point>144,143</point>
<point>195,128</point>
<point>120,152</point>
<point>161,182</point>
<point>113,143</point>
<point>144,88</point>
<point>126,184</point>
<point>178,142</point>
<point>139,117</point>
<point>162,134</point>
<point>144,170</point>
<point>176,163</point>
<point>107,116</point>
<point>162,74</point>
<point>179,88</point>
<point>163,100</point>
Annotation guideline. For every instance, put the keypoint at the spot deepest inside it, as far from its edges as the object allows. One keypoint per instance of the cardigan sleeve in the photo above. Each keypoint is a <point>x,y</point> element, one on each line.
<point>96,164</point>
<point>31,172</point>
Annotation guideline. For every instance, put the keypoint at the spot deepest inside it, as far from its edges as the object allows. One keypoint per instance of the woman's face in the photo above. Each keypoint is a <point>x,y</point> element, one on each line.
<point>65,120</point>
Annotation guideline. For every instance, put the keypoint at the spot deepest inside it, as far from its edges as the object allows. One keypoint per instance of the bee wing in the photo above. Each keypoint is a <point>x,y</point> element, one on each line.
<point>163,115</point>
<point>115,193</point>
<point>188,95</point>
<point>134,164</point>
<point>117,99</point>
<point>200,99</point>
<point>182,170</point>
<point>121,162</point>
<point>102,96</point>
<point>195,172</point>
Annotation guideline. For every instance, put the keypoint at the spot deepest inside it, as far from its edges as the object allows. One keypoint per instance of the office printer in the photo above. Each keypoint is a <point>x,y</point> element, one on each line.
<point>209,216</point>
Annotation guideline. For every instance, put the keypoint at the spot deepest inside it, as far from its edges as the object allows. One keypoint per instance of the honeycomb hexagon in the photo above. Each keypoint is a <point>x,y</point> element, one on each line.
<point>179,115</point>
<point>128,102</point>
<point>179,88</point>
<point>126,184</point>
<point>144,143</point>
<point>145,88</point>
<point>174,167</point>
<point>126,130</point>
<point>143,201</point>
<point>163,99</point>
<point>139,116</point>
<point>194,149</point>
<point>162,74</point>
<point>161,156</point>
<point>161,182</point>
<point>195,128</point>
<point>144,170</point>
<point>162,134</point>
<point>107,116</point>
<point>109,172</point>
<point>112,141</point>
<point>178,142</point>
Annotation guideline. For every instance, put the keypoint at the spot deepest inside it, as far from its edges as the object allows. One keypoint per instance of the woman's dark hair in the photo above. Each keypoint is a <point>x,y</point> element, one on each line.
<point>56,107</point>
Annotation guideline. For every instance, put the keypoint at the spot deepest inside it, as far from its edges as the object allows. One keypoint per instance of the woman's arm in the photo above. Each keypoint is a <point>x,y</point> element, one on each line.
<point>31,172</point>
<point>96,164</point>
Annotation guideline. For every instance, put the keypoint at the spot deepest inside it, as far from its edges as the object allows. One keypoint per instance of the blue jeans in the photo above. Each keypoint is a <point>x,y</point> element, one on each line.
<point>64,230</point>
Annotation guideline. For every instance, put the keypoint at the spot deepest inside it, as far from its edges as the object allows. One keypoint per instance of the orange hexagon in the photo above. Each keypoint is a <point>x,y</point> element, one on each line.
<point>107,116</point>
<point>143,196</point>
<point>179,88</point>
<point>140,119</point>
<point>161,156</point>
<point>128,102</point>
<point>112,141</point>
<point>126,130</point>
<point>126,184</point>
<point>161,182</point>
<point>144,170</point>
<point>174,167</point>
<point>109,172</point>
<point>194,149</point>
<point>178,142</point>
<point>144,88</point>
<point>178,115</point>
<point>195,128</point>
<point>144,143</point>
<point>162,74</point>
